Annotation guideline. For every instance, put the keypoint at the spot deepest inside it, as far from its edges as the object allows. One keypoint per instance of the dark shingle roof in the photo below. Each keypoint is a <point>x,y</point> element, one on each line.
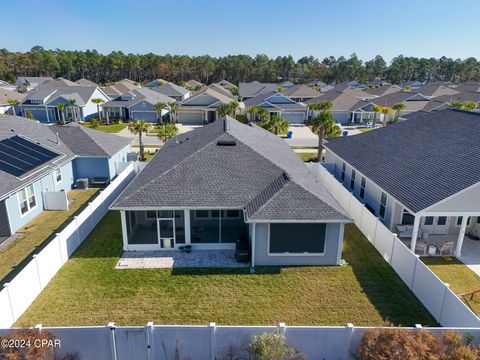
<point>260,174</point>
<point>421,161</point>
<point>255,88</point>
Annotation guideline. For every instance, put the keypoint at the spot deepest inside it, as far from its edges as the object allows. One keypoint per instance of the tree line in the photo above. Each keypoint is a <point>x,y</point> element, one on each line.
<point>104,69</point>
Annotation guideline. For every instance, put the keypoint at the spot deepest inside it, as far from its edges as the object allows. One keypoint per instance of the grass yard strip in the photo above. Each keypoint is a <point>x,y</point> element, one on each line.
<point>304,147</point>
<point>308,157</point>
<point>111,128</point>
<point>458,275</point>
<point>364,129</point>
<point>89,291</point>
<point>40,230</point>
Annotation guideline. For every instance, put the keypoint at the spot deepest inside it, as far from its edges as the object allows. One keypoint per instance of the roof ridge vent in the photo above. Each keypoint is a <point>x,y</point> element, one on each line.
<point>226,143</point>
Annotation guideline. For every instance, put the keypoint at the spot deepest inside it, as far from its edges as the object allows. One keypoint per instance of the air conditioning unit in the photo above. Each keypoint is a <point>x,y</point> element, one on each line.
<point>82,184</point>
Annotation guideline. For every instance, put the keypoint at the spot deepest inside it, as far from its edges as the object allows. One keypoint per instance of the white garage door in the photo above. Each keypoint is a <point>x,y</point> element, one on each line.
<point>190,118</point>
<point>144,115</point>
<point>294,118</point>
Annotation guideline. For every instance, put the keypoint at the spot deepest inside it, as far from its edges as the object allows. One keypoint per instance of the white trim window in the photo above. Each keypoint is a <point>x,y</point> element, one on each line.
<point>459,221</point>
<point>57,174</point>
<point>352,180</point>
<point>383,205</point>
<point>363,185</point>
<point>27,200</point>
<point>344,168</point>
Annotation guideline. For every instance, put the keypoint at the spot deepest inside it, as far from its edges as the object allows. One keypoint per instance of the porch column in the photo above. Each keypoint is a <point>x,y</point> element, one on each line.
<point>188,236</point>
<point>361,117</point>
<point>46,112</point>
<point>461,236</point>
<point>124,229</point>
<point>253,246</point>
<point>352,118</point>
<point>416,225</point>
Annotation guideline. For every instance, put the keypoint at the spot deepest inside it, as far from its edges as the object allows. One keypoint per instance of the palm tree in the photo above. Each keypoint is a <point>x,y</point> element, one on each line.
<point>229,109</point>
<point>325,126</point>
<point>263,114</point>
<point>159,107</point>
<point>313,107</point>
<point>376,109</point>
<point>61,108</point>
<point>386,111</point>
<point>253,111</point>
<point>98,101</point>
<point>139,127</point>
<point>223,110</point>
<point>73,103</point>
<point>167,131</point>
<point>174,107</point>
<point>466,105</point>
<point>13,103</point>
<point>276,125</point>
<point>234,106</point>
<point>398,110</point>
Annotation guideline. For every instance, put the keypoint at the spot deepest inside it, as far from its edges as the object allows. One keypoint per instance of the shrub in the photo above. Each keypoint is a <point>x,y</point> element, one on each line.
<point>399,344</point>
<point>272,346</point>
<point>94,123</point>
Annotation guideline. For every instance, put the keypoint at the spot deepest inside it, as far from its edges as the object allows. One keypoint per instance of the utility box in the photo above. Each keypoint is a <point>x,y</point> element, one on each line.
<point>132,156</point>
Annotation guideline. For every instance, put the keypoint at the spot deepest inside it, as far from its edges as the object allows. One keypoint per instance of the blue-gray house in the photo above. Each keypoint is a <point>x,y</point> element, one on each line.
<point>40,163</point>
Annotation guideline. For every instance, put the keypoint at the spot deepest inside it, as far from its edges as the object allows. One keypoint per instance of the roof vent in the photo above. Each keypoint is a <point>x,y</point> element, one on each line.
<point>226,143</point>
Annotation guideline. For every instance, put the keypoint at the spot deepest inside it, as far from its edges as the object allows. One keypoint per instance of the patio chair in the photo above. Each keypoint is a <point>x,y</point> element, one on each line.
<point>421,248</point>
<point>447,248</point>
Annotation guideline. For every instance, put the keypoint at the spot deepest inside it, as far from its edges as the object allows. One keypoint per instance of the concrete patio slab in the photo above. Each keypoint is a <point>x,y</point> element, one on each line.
<point>175,259</point>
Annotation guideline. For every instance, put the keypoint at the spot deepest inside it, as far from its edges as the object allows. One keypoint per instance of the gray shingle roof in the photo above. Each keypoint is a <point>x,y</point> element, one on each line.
<point>421,161</point>
<point>260,99</point>
<point>140,94</point>
<point>32,80</point>
<point>88,142</point>
<point>255,88</point>
<point>260,174</point>
<point>5,95</point>
<point>302,91</point>
<point>340,100</point>
<point>85,82</point>
<point>171,89</point>
<point>80,93</point>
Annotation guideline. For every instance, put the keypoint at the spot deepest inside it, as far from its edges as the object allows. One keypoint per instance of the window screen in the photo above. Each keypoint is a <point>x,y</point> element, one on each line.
<point>297,238</point>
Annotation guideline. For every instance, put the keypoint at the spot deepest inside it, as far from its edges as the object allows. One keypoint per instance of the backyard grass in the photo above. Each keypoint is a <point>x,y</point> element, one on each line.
<point>308,157</point>
<point>458,275</point>
<point>89,291</point>
<point>44,226</point>
<point>112,128</point>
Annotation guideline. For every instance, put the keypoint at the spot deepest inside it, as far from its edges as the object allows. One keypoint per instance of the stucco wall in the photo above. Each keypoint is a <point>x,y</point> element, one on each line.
<point>332,239</point>
<point>46,183</point>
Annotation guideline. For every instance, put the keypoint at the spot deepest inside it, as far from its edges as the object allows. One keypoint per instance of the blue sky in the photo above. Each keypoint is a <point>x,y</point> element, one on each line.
<point>424,28</point>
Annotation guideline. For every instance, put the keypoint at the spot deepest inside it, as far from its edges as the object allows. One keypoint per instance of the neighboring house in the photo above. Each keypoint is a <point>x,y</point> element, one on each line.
<point>119,88</point>
<point>412,84</point>
<point>250,90</point>
<point>278,104</point>
<point>85,82</point>
<point>461,97</point>
<point>177,92</point>
<point>31,82</point>
<point>6,95</point>
<point>321,85</point>
<point>137,104</point>
<point>220,89</point>
<point>193,85</point>
<point>301,93</point>
<point>7,86</point>
<point>156,82</point>
<point>60,81</point>
<point>421,177</point>
<point>433,90</point>
<point>227,85</point>
<point>39,162</point>
<point>202,107</point>
<point>286,84</point>
<point>229,182</point>
<point>374,92</point>
<point>466,87</point>
<point>346,108</point>
<point>98,154</point>
<point>42,102</point>
<point>376,83</point>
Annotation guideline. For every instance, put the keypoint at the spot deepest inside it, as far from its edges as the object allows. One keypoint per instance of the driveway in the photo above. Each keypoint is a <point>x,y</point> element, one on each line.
<point>302,136</point>
<point>154,140</point>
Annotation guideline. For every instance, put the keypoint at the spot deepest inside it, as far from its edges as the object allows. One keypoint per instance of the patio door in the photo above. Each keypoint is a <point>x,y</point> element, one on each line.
<point>436,224</point>
<point>166,233</point>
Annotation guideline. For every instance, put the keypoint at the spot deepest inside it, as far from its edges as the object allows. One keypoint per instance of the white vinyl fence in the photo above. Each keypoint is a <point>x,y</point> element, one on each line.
<point>434,294</point>
<point>18,294</point>
<point>165,342</point>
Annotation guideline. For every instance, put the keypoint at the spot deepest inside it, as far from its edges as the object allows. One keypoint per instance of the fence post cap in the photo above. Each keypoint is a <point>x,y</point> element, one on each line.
<point>417,256</point>
<point>34,256</point>
<point>282,325</point>
<point>212,324</point>
<point>418,326</point>
<point>349,325</point>
<point>111,325</point>
<point>39,326</point>
<point>6,284</point>
<point>447,285</point>
<point>150,323</point>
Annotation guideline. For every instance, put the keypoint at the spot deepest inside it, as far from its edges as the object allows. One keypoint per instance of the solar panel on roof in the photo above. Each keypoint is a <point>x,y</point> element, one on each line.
<point>18,156</point>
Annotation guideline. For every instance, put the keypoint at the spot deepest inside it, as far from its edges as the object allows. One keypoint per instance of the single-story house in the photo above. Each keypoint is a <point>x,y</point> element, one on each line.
<point>40,164</point>
<point>434,90</point>
<point>286,84</point>
<point>31,82</point>
<point>228,182</point>
<point>5,96</point>
<point>411,84</point>
<point>278,104</point>
<point>227,85</point>
<point>137,104</point>
<point>174,91</point>
<point>301,93</point>
<point>155,83</point>
<point>7,86</point>
<point>202,107</point>
<point>85,82</point>
<point>60,81</point>
<point>374,92</point>
<point>421,177</point>
<point>346,109</point>
<point>193,85</point>
<point>119,88</point>
<point>220,89</point>
<point>41,103</point>
<point>250,90</point>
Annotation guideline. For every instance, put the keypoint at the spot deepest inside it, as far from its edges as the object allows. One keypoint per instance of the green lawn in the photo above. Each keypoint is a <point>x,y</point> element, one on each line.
<point>313,148</point>
<point>364,129</point>
<point>112,128</point>
<point>307,157</point>
<point>458,275</point>
<point>89,291</point>
<point>43,227</point>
